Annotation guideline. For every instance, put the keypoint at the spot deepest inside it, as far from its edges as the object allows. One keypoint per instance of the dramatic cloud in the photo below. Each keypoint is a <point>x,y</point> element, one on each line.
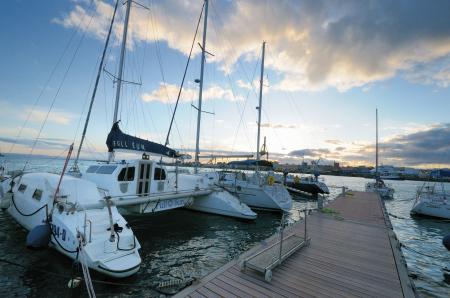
<point>431,146</point>
<point>312,44</point>
<point>427,147</point>
<point>168,94</point>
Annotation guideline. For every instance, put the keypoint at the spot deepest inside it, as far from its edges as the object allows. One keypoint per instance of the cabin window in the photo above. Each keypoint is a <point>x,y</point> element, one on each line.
<point>126,174</point>
<point>92,169</point>
<point>37,195</point>
<point>22,187</point>
<point>106,169</point>
<point>160,174</point>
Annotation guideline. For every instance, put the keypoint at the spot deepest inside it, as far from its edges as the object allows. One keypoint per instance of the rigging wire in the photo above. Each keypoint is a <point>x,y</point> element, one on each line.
<point>59,89</point>
<point>242,68</point>
<point>78,26</point>
<point>161,69</point>
<point>184,76</point>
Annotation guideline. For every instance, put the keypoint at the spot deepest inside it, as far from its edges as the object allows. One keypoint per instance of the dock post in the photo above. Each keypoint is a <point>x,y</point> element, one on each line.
<point>343,191</point>
<point>320,202</point>
<point>306,234</point>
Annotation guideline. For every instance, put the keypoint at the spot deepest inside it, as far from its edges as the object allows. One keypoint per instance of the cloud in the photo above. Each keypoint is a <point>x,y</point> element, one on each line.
<point>429,146</point>
<point>56,116</point>
<point>279,125</point>
<point>312,44</point>
<point>168,94</point>
<point>42,143</point>
<point>36,114</point>
<point>333,142</point>
<point>312,153</point>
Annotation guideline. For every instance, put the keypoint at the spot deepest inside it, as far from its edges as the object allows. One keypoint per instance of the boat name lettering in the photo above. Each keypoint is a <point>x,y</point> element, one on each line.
<point>131,145</point>
<point>58,232</point>
<point>169,204</point>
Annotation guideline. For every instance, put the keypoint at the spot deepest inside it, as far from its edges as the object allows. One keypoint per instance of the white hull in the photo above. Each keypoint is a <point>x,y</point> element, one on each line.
<point>163,190</point>
<point>222,203</point>
<point>255,192</point>
<point>116,256</point>
<point>431,203</point>
<point>434,209</point>
<point>384,191</point>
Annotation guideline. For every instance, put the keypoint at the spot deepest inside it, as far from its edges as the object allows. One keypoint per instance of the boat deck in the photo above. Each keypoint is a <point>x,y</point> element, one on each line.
<point>353,253</point>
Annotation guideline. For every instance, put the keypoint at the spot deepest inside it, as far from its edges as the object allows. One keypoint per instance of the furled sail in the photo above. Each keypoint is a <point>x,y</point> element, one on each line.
<point>118,140</point>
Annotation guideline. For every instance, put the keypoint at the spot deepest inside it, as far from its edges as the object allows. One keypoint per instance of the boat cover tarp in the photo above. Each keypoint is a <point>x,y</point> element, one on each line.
<point>119,140</point>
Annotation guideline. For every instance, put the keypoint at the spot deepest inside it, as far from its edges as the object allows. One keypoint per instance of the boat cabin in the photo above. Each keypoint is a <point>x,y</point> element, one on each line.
<point>129,178</point>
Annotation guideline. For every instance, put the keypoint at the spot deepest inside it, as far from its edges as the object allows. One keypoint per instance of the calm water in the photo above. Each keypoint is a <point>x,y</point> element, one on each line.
<point>181,243</point>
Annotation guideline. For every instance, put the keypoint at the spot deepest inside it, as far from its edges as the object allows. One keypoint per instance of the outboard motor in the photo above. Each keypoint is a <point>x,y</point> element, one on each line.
<point>446,241</point>
<point>39,237</point>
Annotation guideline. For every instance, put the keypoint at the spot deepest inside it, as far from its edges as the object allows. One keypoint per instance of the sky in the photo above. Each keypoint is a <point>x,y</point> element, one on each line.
<point>328,66</point>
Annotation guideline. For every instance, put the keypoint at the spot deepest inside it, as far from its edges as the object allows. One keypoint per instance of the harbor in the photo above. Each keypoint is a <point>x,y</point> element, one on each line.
<point>136,167</point>
<point>208,242</point>
<point>352,252</point>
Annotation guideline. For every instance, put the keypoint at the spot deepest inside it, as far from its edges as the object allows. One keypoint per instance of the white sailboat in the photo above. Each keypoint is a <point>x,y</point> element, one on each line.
<point>432,201</point>
<point>257,191</point>
<point>73,216</point>
<point>220,201</point>
<point>378,186</point>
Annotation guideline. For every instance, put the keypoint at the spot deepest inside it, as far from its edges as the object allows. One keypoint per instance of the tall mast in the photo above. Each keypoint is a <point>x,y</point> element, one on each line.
<point>94,92</point>
<point>259,108</point>
<point>120,73</point>
<point>376,145</point>
<point>199,108</point>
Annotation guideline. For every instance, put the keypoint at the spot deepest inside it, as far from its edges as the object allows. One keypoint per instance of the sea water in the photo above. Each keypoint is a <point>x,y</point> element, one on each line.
<point>180,244</point>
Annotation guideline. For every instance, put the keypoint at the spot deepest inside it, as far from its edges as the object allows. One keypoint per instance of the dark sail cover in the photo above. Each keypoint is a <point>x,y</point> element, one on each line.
<point>118,140</point>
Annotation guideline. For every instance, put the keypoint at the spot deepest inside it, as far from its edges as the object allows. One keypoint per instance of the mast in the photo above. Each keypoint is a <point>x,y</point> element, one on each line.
<point>94,92</point>
<point>120,73</point>
<point>376,145</point>
<point>199,108</point>
<point>258,157</point>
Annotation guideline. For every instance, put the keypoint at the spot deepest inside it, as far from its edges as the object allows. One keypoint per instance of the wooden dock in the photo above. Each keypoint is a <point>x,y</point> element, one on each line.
<point>353,253</point>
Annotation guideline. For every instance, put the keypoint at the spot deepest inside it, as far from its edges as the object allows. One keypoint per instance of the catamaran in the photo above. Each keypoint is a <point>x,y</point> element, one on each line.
<point>378,186</point>
<point>146,186</point>
<point>73,216</point>
<point>258,191</point>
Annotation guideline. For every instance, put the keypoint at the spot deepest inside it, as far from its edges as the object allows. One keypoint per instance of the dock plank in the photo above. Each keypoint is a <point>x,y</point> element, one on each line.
<point>351,254</point>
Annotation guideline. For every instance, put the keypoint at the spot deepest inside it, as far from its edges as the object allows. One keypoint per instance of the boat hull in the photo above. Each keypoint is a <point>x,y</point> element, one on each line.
<point>312,188</point>
<point>222,203</point>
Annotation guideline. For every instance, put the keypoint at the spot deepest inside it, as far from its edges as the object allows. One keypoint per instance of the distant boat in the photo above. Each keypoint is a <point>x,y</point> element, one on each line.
<point>310,184</point>
<point>432,201</point>
<point>378,186</point>
<point>390,176</point>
